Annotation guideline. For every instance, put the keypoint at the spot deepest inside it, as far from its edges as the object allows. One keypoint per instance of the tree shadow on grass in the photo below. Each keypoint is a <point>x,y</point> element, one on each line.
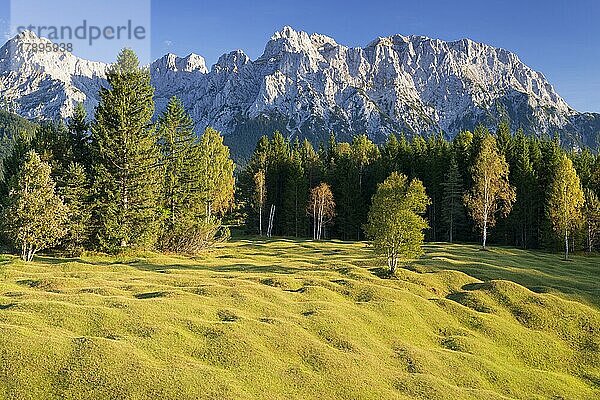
<point>539,272</point>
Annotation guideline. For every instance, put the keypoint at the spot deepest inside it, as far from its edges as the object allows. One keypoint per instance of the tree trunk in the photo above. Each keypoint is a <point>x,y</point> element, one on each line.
<point>590,249</point>
<point>566,244</point>
<point>271,216</point>
<point>315,220</point>
<point>260,220</point>
<point>484,232</point>
<point>392,263</point>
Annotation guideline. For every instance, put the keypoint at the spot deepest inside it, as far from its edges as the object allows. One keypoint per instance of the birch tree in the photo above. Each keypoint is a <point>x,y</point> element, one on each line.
<point>395,224</point>
<point>217,183</point>
<point>36,216</point>
<point>566,200</point>
<point>321,208</point>
<point>260,195</point>
<point>491,195</point>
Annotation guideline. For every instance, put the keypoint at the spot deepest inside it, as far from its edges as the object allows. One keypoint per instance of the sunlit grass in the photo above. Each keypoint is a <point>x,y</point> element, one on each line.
<point>296,319</point>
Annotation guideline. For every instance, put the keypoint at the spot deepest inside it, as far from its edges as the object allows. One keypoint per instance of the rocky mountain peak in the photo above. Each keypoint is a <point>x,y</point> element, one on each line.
<point>231,62</point>
<point>309,85</point>
<point>171,62</point>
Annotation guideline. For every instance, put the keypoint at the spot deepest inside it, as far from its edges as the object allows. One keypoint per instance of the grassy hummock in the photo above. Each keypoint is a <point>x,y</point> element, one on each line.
<point>285,319</point>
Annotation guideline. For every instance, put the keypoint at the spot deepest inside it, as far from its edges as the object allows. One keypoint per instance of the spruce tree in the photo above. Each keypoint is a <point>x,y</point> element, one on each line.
<point>252,187</point>
<point>74,189</point>
<point>276,176</point>
<point>363,154</point>
<point>453,210</point>
<point>295,196</point>
<point>78,128</point>
<point>127,176</point>
<point>591,216</point>
<point>180,158</point>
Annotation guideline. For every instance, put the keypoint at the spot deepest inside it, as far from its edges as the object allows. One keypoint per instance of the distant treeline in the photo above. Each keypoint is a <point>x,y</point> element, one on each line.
<point>446,168</point>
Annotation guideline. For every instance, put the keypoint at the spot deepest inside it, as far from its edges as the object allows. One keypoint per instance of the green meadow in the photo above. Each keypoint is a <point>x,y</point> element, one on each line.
<point>287,319</point>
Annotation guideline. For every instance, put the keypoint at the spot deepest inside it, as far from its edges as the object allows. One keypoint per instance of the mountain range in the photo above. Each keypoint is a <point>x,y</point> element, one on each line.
<point>308,85</point>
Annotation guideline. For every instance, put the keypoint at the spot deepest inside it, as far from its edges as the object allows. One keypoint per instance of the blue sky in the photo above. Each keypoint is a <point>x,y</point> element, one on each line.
<point>559,38</point>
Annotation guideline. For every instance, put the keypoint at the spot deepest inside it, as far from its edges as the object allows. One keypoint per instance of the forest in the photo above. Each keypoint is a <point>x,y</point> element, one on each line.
<point>122,180</point>
<point>448,170</point>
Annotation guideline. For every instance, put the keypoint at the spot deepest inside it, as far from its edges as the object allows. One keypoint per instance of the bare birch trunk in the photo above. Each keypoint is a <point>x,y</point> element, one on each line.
<point>271,216</point>
<point>315,220</point>
<point>566,244</point>
<point>260,211</point>
<point>484,232</point>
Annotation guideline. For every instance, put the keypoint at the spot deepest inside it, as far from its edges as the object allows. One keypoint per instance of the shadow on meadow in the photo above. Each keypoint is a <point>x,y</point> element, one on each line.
<point>540,272</point>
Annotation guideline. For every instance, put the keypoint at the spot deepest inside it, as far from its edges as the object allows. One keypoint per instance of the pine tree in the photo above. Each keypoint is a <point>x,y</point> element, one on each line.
<point>452,199</point>
<point>127,176</point>
<point>395,225</point>
<point>492,193</point>
<point>35,216</point>
<point>566,200</point>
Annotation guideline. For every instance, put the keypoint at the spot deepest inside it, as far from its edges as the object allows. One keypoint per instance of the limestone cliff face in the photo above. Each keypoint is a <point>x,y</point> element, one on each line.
<point>309,85</point>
